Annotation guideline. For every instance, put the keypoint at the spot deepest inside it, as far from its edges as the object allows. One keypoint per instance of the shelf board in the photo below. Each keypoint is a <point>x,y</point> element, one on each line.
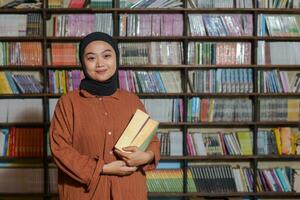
<point>278,66</point>
<point>23,124</point>
<point>13,96</point>
<point>278,157</point>
<point>154,67</point>
<point>63,67</point>
<point>277,10</point>
<point>279,38</point>
<point>21,67</point>
<point>277,123</point>
<point>22,38</point>
<point>22,195</point>
<point>220,95</point>
<point>195,67</point>
<point>220,158</point>
<point>296,94</point>
<point>277,194</point>
<point>220,124</point>
<point>79,10</point>
<point>21,160</point>
<point>20,11</point>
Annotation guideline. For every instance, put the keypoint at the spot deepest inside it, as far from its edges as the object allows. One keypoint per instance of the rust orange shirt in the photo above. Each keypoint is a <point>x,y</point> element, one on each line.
<point>83,132</point>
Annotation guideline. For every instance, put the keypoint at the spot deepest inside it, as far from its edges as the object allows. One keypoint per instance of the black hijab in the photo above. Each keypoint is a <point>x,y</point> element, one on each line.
<point>103,88</point>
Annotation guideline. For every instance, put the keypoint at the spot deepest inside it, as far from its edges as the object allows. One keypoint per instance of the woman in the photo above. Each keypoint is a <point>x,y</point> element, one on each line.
<point>86,125</point>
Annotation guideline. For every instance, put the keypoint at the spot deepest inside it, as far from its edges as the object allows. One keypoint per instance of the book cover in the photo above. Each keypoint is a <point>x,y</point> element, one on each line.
<point>139,132</point>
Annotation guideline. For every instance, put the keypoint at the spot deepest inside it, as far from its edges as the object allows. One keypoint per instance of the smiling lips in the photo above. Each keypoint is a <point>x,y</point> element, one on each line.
<point>101,70</point>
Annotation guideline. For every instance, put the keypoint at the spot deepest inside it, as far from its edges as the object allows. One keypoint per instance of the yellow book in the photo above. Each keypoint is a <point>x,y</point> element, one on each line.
<point>293,110</point>
<point>245,141</point>
<point>278,140</point>
<point>144,137</point>
<point>135,125</point>
<point>4,84</point>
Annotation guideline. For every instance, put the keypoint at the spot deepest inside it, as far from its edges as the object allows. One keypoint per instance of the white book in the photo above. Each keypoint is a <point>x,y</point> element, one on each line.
<point>3,110</point>
<point>176,143</point>
<point>25,110</point>
<point>52,105</point>
<point>199,144</point>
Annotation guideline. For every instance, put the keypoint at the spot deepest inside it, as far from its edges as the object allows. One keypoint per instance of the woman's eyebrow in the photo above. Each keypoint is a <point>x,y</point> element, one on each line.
<point>106,50</point>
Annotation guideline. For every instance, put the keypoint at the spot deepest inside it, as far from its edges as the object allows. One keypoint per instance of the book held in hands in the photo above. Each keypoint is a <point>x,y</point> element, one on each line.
<point>139,131</point>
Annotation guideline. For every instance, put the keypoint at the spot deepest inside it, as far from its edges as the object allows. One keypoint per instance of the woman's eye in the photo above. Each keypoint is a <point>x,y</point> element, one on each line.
<point>91,58</point>
<point>107,56</point>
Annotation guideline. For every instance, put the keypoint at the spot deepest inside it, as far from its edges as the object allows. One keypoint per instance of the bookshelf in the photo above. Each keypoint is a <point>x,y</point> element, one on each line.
<point>184,68</point>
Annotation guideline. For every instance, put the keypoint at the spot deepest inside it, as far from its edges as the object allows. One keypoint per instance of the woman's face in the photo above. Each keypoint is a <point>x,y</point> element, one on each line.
<point>100,60</point>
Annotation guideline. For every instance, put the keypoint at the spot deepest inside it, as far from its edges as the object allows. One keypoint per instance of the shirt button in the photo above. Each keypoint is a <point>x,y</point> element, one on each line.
<point>111,152</point>
<point>100,99</point>
<point>109,133</point>
<point>105,113</point>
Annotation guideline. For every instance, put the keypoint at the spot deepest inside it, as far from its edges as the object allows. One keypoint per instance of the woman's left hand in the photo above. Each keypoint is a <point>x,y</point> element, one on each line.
<point>135,157</point>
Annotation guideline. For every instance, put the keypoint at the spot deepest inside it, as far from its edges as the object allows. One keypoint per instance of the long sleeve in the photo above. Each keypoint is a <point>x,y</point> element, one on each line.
<point>82,168</point>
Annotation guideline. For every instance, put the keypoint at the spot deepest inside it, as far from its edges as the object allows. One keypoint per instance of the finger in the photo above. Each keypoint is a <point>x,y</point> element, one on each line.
<point>122,154</point>
<point>130,148</point>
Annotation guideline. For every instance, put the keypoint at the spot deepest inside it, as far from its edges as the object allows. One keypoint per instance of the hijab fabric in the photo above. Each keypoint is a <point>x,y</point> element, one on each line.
<point>103,88</point>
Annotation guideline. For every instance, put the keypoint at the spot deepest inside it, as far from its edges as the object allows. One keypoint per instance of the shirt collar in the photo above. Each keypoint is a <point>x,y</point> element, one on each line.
<point>86,94</point>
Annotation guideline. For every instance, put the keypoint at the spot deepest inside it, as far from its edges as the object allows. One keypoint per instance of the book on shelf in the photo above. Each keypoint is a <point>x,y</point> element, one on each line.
<point>139,132</point>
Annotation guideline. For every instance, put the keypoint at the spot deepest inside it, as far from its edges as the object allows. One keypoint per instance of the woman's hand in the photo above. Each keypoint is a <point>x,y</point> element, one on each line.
<point>118,168</point>
<point>135,157</point>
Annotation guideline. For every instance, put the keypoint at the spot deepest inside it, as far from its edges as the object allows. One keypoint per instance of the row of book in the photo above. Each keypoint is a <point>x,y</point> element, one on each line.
<point>20,83</point>
<point>207,178</point>
<point>278,25</point>
<point>170,142</point>
<point>151,25</point>
<point>152,4</point>
<point>21,142</point>
<point>24,180</point>
<point>21,4</point>
<point>276,179</point>
<point>63,81</point>
<point>278,53</point>
<point>199,81</point>
<point>275,81</point>
<point>151,52</point>
<point>21,110</point>
<point>79,25</point>
<point>20,53</point>
<point>200,53</point>
<point>279,109</point>
<point>150,81</point>
<point>214,110</point>
<point>221,80</point>
<point>278,141</point>
<point>66,3</point>
<point>21,25</point>
<point>108,4</point>
<point>219,143</point>
<point>224,178</point>
<point>63,54</point>
<point>171,110</point>
<point>219,53</point>
<point>220,25</point>
<point>165,109</point>
<point>220,3</point>
<point>278,3</point>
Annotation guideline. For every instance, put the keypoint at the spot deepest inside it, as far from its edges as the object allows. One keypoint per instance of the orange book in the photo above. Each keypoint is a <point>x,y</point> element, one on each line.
<point>286,137</point>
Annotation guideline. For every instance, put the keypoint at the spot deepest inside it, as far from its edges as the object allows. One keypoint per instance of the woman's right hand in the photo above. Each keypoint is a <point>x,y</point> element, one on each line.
<point>118,168</point>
